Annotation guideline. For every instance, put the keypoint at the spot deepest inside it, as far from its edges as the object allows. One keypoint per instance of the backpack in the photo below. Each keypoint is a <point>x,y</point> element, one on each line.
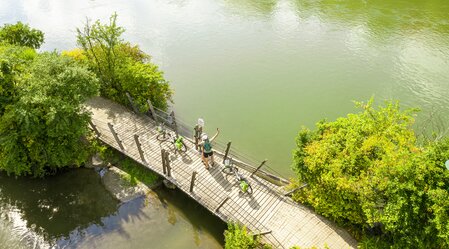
<point>207,146</point>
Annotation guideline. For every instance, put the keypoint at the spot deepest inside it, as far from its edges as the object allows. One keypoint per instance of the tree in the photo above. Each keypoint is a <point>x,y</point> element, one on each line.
<point>44,130</point>
<point>22,35</point>
<point>366,170</point>
<point>122,67</point>
<point>14,61</point>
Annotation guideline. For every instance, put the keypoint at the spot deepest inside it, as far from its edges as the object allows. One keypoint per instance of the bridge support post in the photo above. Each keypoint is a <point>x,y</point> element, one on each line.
<point>192,181</point>
<point>260,166</point>
<point>167,163</point>
<point>221,203</point>
<point>175,126</point>
<point>94,127</point>
<point>153,113</point>
<point>119,142</point>
<point>139,147</point>
<point>164,168</point>
<point>136,111</point>
<point>198,130</point>
<point>228,146</point>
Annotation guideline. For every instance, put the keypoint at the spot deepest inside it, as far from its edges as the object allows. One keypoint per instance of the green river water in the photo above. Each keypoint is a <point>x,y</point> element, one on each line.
<point>259,70</point>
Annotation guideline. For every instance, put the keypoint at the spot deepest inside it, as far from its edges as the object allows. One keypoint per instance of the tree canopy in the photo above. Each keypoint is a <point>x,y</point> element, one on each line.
<point>366,170</point>
<point>43,129</point>
<point>121,67</point>
<point>13,64</point>
<point>22,35</point>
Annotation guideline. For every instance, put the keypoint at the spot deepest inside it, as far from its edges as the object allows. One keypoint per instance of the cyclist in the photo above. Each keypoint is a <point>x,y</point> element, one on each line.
<point>206,148</point>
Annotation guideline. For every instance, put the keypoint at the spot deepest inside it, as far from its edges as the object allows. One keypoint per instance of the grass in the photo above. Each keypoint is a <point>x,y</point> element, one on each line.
<point>135,171</point>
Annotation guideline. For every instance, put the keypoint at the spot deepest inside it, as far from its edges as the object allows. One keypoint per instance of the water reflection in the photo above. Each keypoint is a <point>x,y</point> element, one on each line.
<point>381,17</point>
<point>264,7</point>
<point>73,210</point>
<point>57,205</point>
<point>166,219</point>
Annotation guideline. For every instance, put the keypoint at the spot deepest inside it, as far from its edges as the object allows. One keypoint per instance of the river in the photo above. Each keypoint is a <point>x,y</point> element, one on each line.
<point>261,69</point>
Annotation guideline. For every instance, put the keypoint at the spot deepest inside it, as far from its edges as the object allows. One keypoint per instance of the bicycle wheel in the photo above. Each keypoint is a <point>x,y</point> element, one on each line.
<point>249,190</point>
<point>162,136</point>
<point>228,170</point>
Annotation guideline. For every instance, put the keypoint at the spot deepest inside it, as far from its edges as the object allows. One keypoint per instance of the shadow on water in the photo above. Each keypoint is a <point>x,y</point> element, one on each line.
<point>199,217</point>
<point>58,204</point>
<point>74,210</point>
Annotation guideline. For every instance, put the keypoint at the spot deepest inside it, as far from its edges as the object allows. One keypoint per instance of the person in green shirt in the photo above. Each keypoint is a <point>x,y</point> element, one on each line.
<point>206,148</point>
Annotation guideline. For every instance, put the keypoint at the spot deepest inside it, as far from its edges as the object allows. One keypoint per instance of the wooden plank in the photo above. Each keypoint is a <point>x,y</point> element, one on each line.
<point>270,212</point>
<point>265,206</point>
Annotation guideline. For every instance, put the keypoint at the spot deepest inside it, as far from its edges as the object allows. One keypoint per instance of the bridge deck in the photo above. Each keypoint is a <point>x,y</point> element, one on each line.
<point>265,210</point>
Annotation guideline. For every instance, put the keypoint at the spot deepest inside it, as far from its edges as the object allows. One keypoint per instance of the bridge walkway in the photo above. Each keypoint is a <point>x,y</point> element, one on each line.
<point>280,221</point>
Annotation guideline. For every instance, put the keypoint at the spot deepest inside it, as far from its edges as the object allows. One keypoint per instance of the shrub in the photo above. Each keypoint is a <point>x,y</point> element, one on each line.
<point>367,171</point>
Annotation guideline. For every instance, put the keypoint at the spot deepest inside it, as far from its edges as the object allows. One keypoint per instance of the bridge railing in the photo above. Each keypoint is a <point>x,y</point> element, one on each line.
<point>262,168</point>
<point>186,129</point>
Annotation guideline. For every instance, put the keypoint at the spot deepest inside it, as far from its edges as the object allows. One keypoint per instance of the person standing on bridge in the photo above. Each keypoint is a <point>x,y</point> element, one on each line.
<point>206,148</point>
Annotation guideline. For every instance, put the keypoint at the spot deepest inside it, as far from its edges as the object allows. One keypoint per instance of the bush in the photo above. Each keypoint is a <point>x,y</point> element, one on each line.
<point>14,61</point>
<point>22,35</point>
<point>237,237</point>
<point>367,171</point>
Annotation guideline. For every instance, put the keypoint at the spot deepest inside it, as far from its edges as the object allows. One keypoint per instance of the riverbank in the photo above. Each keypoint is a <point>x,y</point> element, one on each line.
<point>121,176</point>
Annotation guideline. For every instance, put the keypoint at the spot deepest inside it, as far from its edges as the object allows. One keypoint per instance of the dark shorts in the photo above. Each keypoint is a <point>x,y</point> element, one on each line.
<point>208,154</point>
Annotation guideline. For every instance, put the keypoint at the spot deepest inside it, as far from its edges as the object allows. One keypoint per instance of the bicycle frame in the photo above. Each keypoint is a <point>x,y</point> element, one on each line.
<point>242,181</point>
<point>167,135</point>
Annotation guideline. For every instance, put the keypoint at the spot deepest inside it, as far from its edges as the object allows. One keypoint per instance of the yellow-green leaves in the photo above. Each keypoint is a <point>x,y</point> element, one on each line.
<point>366,169</point>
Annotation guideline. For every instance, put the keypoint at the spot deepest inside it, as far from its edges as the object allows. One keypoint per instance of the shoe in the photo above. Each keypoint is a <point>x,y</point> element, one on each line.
<point>207,168</point>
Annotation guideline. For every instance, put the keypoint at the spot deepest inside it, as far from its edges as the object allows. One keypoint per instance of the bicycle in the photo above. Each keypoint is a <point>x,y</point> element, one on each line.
<point>167,135</point>
<point>230,169</point>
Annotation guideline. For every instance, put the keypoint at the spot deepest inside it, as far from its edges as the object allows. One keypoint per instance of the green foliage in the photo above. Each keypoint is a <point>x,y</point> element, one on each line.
<point>45,128</point>
<point>237,237</point>
<point>13,62</point>
<point>122,67</point>
<point>22,35</point>
<point>143,81</point>
<point>135,171</point>
<point>367,171</point>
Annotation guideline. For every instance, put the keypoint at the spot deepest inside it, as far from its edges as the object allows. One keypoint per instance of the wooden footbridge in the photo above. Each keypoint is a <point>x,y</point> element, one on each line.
<point>268,212</point>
